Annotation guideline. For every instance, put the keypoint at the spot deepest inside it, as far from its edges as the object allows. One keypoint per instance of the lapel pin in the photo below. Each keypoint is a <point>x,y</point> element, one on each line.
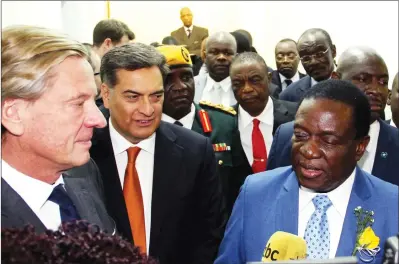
<point>384,155</point>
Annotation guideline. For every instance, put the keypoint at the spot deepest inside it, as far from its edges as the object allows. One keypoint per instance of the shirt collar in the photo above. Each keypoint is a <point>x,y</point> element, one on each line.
<point>121,144</point>
<point>34,192</point>
<point>339,197</point>
<point>293,79</point>
<point>190,28</point>
<point>225,83</point>
<point>373,133</point>
<point>187,120</point>
<point>266,117</point>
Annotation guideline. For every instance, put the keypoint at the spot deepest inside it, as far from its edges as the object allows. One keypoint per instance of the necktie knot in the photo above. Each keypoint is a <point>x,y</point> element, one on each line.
<point>177,122</point>
<point>68,211</point>
<point>132,154</point>
<point>288,81</point>
<point>256,122</point>
<point>322,202</point>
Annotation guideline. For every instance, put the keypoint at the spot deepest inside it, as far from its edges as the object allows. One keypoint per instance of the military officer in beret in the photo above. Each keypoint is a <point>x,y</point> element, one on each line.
<point>217,122</point>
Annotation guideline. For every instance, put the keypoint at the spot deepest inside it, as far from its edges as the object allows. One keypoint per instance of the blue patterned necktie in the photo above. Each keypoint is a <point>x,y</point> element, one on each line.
<point>68,210</point>
<point>317,233</point>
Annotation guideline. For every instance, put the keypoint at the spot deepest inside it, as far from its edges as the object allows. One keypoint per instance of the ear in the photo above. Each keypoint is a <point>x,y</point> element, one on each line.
<point>12,112</point>
<point>389,97</point>
<point>105,93</point>
<point>335,75</point>
<point>333,51</point>
<point>361,147</point>
<point>108,43</point>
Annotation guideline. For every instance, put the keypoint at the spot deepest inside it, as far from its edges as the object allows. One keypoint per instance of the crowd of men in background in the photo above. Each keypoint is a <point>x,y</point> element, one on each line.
<point>178,147</point>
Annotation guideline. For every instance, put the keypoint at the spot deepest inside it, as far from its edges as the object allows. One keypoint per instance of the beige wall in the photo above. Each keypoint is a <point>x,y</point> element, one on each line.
<point>374,24</point>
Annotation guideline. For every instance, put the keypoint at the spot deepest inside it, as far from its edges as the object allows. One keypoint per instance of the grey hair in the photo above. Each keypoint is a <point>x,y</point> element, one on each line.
<point>132,56</point>
<point>248,57</point>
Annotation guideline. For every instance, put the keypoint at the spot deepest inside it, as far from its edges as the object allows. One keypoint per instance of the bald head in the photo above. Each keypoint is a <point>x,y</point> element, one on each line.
<point>221,47</point>
<point>365,68</point>
<point>355,56</point>
<point>186,16</point>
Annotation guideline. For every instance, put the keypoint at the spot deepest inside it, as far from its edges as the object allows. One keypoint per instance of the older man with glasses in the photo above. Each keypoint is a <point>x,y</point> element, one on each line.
<point>317,53</point>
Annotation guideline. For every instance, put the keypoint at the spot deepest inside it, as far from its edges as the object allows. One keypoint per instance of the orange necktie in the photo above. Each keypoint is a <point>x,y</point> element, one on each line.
<point>134,200</point>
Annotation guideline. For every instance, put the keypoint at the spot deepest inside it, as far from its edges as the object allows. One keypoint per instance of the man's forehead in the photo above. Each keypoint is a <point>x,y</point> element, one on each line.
<point>316,38</point>
<point>286,45</point>
<point>220,44</point>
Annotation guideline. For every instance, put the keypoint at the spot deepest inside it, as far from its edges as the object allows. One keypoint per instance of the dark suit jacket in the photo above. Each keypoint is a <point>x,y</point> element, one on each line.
<point>84,187</point>
<point>275,91</point>
<point>193,44</point>
<point>296,90</point>
<point>187,213</point>
<point>386,162</point>
<point>283,112</point>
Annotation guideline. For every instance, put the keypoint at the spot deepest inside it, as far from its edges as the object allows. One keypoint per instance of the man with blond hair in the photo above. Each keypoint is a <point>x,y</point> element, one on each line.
<point>48,114</point>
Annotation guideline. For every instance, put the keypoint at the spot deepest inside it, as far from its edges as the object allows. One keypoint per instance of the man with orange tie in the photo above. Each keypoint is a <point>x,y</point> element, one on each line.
<point>259,115</point>
<point>160,180</point>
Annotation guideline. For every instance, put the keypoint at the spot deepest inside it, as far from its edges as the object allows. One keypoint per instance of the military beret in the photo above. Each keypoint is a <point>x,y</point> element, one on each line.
<point>176,56</point>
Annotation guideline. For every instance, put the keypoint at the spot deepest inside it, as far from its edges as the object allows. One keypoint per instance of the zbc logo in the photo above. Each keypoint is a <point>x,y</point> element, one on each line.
<point>270,253</point>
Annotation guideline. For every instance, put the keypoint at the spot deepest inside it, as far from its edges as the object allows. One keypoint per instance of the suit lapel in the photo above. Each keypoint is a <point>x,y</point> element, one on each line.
<point>287,206</point>
<point>280,113</point>
<point>15,207</point>
<point>307,83</point>
<point>361,192</point>
<point>103,153</point>
<point>167,165</point>
<point>75,187</point>
<point>381,160</point>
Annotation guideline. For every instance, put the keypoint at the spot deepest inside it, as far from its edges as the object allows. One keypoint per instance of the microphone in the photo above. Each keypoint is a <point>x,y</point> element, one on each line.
<point>284,246</point>
<point>391,255</point>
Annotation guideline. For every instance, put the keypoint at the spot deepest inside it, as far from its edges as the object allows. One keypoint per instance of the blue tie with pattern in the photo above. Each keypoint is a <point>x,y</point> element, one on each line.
<point>317,233</point>
<point>68,211</point>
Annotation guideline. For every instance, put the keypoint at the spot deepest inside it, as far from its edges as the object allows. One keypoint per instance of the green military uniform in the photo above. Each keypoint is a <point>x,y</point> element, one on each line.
<point>223,135</point>
<point>217,122</point>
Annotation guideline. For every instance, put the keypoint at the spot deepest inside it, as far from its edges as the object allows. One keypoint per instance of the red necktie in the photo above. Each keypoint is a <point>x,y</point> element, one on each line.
<point>134,200</point>
<point>258,149</point>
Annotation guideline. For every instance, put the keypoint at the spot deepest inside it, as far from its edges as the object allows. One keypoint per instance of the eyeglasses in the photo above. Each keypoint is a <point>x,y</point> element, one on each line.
<point>281,57</point>
<point>318,56</point>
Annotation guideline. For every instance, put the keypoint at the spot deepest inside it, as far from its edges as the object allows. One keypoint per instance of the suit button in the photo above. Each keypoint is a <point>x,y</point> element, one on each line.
<point>220,162</point>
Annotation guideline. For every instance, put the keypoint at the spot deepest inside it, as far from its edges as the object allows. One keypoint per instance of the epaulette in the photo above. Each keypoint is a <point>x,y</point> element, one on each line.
<point>227,109</point>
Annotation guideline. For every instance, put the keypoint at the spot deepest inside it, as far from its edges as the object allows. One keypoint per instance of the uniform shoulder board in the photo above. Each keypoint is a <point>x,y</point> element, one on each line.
<point>227,109</point>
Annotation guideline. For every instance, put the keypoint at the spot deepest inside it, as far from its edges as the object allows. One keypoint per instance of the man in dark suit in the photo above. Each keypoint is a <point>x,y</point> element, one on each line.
<point>190,35</point>
<point>258,117</point>
<point>367,70</point>
<point>321,197</point>
<point>47,175</point>
<point>317,53</point>
<point>160,179</point>
<point>287,61</point>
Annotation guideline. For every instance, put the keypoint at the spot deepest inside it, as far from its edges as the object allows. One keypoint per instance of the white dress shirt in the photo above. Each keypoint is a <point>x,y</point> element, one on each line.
<point>187,120</point>
<point>392,123</point>
<point>188,28</point>
<point>295,78</point>
<point>367,161</point>
<point>335,213</point>
<point>35,193</point>
<point>144,167</point>
<point>218,92</point>
<point>245,126</point>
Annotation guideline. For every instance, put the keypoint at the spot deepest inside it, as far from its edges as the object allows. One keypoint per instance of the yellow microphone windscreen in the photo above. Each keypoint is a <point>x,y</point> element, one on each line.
<point>284,246</point>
